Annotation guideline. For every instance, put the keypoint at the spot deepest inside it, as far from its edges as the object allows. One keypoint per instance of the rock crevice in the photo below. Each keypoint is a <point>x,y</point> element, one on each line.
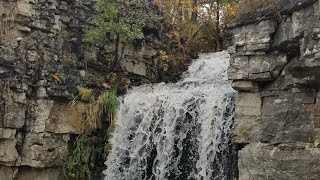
<point>43,66</point>
<point>275,67</point>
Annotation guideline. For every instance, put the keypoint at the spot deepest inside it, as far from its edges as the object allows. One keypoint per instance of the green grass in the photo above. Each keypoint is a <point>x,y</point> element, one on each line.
<point>105,104</point>
<point>109,102</point>
<point>77,162</point>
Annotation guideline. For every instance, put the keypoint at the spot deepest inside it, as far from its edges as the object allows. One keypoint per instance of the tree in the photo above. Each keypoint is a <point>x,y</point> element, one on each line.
<point>190,21</point>
<point>182,16</point>
<point>124,19</point>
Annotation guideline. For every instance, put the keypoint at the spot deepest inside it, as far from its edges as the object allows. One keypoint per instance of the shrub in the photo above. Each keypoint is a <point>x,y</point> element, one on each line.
<point>77,162</point>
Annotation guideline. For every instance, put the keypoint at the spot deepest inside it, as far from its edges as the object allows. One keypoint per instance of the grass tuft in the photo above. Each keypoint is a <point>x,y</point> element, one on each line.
<point>105,104</point>
<point>84,92</point>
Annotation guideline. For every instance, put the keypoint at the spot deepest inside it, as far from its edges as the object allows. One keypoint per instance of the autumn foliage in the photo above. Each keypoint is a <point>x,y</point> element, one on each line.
<point>195,26</point>
<point>198,25</point>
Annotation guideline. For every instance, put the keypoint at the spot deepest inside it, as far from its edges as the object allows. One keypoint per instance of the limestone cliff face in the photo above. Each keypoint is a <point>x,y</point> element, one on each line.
<point>275,66</point>
<point>43,63</point>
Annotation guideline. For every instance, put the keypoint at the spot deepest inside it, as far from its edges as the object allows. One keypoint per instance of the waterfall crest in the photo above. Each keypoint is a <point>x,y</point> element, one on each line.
<point>177,131</point>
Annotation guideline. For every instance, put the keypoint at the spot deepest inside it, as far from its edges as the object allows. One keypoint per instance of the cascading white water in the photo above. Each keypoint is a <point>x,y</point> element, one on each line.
<point>176,131</point>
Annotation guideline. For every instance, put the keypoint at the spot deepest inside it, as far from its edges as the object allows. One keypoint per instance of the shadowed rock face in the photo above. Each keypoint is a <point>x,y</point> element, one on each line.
<point>43,63</point>
<point>275,66</point>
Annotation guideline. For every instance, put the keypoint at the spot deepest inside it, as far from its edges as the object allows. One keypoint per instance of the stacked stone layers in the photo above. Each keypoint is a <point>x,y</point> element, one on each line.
<point>275,66</point>
<point>43,63</point>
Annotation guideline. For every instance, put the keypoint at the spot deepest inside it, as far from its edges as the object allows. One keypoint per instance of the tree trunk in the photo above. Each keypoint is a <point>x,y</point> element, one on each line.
<point>218,38</point>
<point>194,14</point>
<point>116,52</point>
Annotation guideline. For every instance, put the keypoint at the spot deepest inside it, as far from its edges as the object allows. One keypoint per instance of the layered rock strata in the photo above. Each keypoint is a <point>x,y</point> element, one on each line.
<point>43,64</point>
<point>275,66</point>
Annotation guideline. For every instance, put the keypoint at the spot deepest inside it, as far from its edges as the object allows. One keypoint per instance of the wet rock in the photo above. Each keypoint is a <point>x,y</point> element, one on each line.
<point>27,173</point>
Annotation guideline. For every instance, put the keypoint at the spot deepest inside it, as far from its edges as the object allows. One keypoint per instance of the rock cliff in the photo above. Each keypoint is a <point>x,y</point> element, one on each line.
<point>43,64</point>
<point>275,66</point>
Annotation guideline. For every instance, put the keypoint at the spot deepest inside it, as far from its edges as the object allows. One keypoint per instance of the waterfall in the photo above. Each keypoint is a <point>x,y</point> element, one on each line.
<point>176,131</point>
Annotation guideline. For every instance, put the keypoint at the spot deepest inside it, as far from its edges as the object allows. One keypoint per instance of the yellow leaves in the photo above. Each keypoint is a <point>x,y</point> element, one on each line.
<point>186,18</point>
<point>84,92</point>
<point>230,12</point>
<point>166,59</point>
<point>164,56</point>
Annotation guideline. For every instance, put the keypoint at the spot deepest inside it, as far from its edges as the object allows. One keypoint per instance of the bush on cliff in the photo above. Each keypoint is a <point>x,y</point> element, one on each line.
<point>120,20</point>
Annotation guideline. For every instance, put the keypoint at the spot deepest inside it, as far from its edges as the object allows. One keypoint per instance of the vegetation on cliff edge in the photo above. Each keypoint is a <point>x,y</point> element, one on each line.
<point>98,108</point>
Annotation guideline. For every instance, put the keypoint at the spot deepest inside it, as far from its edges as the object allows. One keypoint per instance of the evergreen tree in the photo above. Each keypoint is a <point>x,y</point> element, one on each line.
<point>125,19</point>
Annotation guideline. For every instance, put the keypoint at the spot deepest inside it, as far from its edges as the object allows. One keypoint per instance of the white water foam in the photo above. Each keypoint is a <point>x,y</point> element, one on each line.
<point>175,131</point>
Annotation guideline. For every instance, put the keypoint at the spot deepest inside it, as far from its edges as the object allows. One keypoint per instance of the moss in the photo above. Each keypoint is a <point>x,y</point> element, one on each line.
<point>244,131</point>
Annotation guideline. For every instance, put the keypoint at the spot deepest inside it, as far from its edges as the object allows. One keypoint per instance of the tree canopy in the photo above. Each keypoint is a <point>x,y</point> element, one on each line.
<point>195,25</point>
